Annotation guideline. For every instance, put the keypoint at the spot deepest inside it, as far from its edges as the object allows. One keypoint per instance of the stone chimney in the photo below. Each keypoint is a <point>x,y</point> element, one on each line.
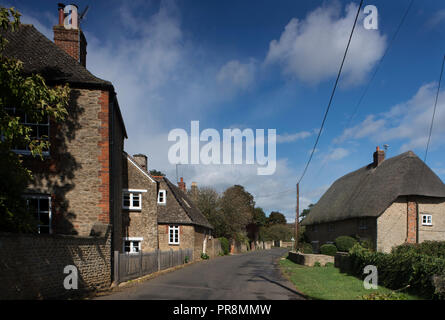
<point>194,191</point>
<point>141,160</point>
<point>379,157</point>
<point>67,34</point>
<point>181,185</point>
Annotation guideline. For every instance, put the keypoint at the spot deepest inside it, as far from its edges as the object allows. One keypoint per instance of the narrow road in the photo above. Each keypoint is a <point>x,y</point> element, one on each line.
<point>250,276</point>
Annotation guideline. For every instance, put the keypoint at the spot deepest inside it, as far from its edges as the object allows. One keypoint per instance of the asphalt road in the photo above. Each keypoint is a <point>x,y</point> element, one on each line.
<point>250,276</point>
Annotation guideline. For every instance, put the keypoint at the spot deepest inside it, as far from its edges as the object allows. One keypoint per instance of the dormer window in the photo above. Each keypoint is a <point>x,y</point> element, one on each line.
<point>162,199</point>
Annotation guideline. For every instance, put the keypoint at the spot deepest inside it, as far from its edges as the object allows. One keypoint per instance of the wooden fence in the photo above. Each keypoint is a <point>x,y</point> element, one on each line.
<point>132,266</point>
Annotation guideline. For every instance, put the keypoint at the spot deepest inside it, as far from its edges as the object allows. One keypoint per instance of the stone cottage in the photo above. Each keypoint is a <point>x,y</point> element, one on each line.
<point>139,206</point>
<point>75,187</point>
<point>388,202</point>
<point>180,223</point>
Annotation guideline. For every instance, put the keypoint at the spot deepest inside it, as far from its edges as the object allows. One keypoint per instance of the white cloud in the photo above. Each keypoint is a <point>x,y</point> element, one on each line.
<point>283,138</point>
<point>237,74</point>
<point>437,18</point>
<point>311,49</point>
<point>407,123</point>
<point>336,154</point>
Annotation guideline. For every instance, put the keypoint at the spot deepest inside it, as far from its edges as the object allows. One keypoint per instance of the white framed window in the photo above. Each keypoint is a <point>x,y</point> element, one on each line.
<point>40,207</point>
<point>427,220</point>
<point>173,234</point>
<point>132,200</point>
<point>162,197</point>
<point>39,130</point>
<point>132,245</point>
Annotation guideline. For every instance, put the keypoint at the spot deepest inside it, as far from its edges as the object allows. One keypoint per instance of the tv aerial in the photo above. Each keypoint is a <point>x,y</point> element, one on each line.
<point>84,13</point>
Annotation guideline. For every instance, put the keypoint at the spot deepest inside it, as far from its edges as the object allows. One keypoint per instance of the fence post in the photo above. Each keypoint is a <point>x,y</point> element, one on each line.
<point>140,263</point>
<point>116,266</point>
<point>159,259</point>
<point>171,258</point>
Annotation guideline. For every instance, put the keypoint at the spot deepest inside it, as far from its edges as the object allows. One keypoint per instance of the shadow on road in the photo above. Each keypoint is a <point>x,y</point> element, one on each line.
<point>284,287</point>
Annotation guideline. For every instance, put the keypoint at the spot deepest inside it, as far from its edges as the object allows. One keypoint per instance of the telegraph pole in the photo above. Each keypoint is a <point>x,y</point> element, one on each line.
<point>297,216</point>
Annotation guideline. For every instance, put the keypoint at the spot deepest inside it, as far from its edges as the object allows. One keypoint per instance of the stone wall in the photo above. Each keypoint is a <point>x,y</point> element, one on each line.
<point>186,238</point>
<point>436,208</point>
<point>141,223</point>
<point>310,259</point>
<point>392,226</point>
<point>31,266</point>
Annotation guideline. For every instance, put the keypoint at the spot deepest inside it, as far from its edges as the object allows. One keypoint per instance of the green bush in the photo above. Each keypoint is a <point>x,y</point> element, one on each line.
<point>224,245</point>
<point>186,259</point>
<point>403,268</point>
<point>328,249</point>
<point>329,265</point>
<point>345,243</point>
<point>204,256</point>
<point>317,264</point>
<point>306,248</point>
<point>429,248</point>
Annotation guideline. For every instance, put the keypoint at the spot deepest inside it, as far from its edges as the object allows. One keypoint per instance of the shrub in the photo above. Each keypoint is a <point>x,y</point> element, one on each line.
<point>328,249</point>
<point>429,248</point>
<point>403,268</point>
<point>329,265</point>
<point>367,244</point>
<point>306,248</point>
<point>224,245</point>
<point>186,259</point>
<point>204,256</point>
<point>317,264</point>
<point>345,243</point>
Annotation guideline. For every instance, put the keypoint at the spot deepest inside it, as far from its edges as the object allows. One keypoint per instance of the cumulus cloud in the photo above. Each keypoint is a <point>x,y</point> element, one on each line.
<point>311,49</point>
<point>407,123</point>
<point>336,154</point>
<point>283,138</point>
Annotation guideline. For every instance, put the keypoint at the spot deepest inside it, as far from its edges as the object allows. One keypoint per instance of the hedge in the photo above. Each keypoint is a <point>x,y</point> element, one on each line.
<point>398,270</point>
<point>345,243</point>
<point>224,245</point>
<point>328,249</point>
<point>306,248</point>
<point>429,248</point>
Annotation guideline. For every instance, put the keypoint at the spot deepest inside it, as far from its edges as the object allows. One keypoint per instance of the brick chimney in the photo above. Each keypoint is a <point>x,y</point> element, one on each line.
<point>379,157</point>
<point>141,160</point>
<point>181,185</point>
<point>67,34</point>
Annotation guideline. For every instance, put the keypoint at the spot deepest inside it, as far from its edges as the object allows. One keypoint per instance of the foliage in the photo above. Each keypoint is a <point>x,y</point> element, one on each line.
<point>259,217</point>
<point>186,259</point>
<point>27,94</point>
<point>157,173</point>
<point>317,264</point>
<point>328,249</point>
<point>276,232</point>
<point>328,283</point>
<point>204,256</point>
<point>305,248</point>
<point>385,296</point>
<point>276,217</point>
<point>329,265</point>
<point>224,245</point>
<point>429,248</point>
<point>345,243</point>
<point>236,207</point>
<point>305,212</point>
<point>404,269</point>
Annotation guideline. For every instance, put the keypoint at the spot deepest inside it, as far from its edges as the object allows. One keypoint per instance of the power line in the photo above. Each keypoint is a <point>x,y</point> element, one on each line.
<point>380,61</point>
<point>434,111</point>
<point>333,92</point>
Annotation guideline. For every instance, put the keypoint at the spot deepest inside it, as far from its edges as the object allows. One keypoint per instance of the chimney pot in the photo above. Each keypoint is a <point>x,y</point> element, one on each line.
<point>181,185</point>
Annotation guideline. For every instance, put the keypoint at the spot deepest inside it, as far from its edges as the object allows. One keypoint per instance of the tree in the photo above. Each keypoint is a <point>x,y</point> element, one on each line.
<point>276,232</point>
<point>306,211</point>
<point>155,172</point>
<point>237,206</point>
<point>259,217</point>
<point>276,217</point>
<point>21,94</point>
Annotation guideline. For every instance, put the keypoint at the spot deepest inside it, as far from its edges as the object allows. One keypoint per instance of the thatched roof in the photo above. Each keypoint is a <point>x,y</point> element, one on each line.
<point>368,191</point>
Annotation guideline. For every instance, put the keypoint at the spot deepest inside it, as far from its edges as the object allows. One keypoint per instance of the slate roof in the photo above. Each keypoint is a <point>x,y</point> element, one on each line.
<point>369,191</point>
<point>169,213</point>
<point>41,55</point>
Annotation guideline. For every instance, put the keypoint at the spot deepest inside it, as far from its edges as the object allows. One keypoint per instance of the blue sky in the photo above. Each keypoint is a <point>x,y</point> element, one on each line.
<point>268,64</point>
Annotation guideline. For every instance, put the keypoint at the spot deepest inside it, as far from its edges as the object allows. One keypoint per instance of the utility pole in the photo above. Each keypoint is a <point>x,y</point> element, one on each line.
<point>297,216</point>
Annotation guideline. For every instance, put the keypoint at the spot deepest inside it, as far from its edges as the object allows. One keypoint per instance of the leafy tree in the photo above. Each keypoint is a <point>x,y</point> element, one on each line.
<point>276,232</point>
<point>305,212</point>
<point>21,94</point>
<point>259,217</point>
<point>276,217</point>
<point>237,206</point>
<point>155,172</point>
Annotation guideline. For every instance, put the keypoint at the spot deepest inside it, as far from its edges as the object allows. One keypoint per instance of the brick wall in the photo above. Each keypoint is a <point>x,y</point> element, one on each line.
<point>411,234</point>
<point>31,266</point>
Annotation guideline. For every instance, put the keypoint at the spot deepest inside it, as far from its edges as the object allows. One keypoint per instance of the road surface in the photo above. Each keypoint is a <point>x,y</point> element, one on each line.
<point>251,276</point>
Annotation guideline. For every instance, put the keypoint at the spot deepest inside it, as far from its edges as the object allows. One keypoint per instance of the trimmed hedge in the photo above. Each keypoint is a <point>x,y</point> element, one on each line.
<point>345,243</point>
<point>306,248</point>
<point>224,245</point>
<point>398,270</point>
<point>328,249</point>
<point>429,248</point>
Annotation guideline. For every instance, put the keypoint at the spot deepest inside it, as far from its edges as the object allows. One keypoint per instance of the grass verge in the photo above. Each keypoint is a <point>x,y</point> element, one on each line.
<point>327,283</point>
